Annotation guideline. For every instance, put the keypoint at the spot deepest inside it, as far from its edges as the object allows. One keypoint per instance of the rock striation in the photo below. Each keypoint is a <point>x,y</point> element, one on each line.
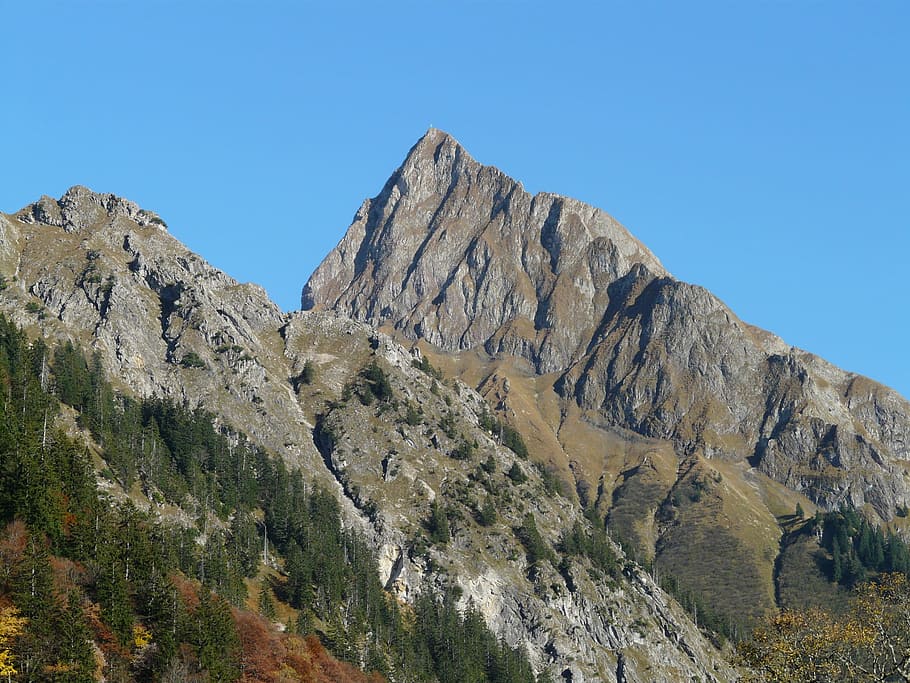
<point>457,254</point>
<point>460,255</point>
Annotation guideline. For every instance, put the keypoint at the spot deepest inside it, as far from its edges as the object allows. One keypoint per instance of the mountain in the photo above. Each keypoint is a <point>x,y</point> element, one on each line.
<point>440,488</point>
<point>460,255</point>
<point>692,431</point>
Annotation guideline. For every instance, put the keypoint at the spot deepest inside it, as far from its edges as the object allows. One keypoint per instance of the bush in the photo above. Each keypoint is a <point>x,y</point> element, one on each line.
<point>438,524</point>
<point>425,366</point>
<point>463,451</point>
<point>516,474</point>
<point>447,425</point>
<point>377,382</point>
<point>308,374</point>
<point>535,547</point>
<point>192,360</point>
<point>486,514</point>
<point>413,416</point>
<point>489,465</point>
<point>512,440</point>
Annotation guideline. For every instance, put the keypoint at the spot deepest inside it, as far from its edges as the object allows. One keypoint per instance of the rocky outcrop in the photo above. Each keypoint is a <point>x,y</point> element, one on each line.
<point>459,255</point>
<point>574,621</point>
<point>98,269</point>
<point>80,209</point>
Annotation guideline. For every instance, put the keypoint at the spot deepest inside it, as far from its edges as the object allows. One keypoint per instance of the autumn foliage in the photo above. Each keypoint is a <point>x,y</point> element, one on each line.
<point>270,657</point>
<point>871,642</point>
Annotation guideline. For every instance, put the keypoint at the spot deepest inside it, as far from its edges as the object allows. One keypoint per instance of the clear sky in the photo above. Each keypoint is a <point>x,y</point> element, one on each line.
<point>760,149</point>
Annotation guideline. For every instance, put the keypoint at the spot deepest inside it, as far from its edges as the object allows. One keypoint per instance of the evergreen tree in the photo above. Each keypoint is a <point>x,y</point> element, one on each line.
<point>486,516</point>
<point>214,635</point>
<point>266,603</point>
<point>438,524</point>
<point>837,562</point>
<point>535,547</point>
<point>73,642</point>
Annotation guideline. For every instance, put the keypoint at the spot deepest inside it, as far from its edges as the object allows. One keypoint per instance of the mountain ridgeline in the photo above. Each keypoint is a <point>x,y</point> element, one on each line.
<point>459,255</point>
<point>499,443</point>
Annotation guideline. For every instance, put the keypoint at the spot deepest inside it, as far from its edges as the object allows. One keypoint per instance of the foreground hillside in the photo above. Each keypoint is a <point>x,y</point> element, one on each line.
<point>434,495</point>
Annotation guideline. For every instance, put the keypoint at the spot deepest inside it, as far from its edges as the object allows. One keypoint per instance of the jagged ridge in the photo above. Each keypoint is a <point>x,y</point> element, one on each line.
<point>457,254</point>
<point>460,255</point>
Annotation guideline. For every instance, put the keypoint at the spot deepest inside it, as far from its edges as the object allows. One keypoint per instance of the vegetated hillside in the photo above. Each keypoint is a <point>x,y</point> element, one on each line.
<point>692,430</point>
<point>92,586</point>
<point>405,526</point>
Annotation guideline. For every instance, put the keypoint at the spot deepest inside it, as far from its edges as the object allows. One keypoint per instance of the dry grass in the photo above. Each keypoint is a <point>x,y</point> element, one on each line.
<point>801,578</point>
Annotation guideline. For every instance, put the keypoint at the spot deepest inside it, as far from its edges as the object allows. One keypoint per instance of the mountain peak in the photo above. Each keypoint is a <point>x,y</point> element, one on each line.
<point>455,251</point>
<point>457,254</point>
<point>435,161</point>
<point>432,140</point>
<point>435,136</point>
<point>80,208</point>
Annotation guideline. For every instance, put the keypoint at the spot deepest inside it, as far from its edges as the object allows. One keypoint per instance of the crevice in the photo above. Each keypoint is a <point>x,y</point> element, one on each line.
<point>549,233</point>
<point>168,297</point>
<point>326,441</point>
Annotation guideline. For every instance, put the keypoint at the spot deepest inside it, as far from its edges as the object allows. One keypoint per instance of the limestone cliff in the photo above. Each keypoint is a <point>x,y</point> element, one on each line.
<point>459,255</point>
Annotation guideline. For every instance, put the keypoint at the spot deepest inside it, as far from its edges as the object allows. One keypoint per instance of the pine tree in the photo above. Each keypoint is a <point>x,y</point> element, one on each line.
<point>266,603</point>
<point>837,569</point>
<point>216,639</point>
<point>73,638</point>
<point>438,524</point>
<point>487,513</point>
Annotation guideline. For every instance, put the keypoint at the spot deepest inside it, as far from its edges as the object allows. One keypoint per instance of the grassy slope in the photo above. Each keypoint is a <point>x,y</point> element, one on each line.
<point>722,546</point>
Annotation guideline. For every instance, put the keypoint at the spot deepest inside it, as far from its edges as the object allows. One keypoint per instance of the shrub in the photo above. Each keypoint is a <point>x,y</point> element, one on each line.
<point>438,524</point>
<point>308,374</point>
<point>535,547</point>
<point>413,417</point>
<point>516,474</point>
<point>425,366</point>
<point>192,360</point>
<point>377,382</point>
<point>463,451</point>
<point>486,514</point>
<point>512,440</point>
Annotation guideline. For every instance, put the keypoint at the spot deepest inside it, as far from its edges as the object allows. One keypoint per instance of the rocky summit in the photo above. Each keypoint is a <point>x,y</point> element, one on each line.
<point>458,255</point>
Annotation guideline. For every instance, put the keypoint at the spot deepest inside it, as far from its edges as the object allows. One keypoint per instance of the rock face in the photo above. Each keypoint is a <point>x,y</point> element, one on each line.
<point>584,625</point>
<point>98,270</point>
<point>459,255</point>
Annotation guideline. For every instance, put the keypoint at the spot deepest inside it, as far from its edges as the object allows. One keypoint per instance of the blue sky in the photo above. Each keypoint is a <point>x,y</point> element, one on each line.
<point>760,149</point>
